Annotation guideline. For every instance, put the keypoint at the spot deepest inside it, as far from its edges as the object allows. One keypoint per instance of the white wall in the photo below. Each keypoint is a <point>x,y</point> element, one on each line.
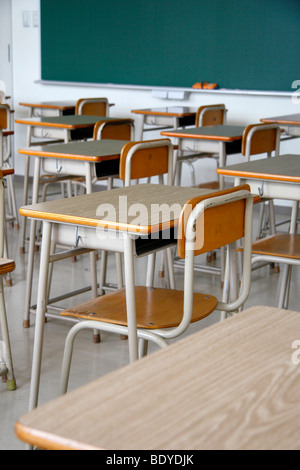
<point>242,108</point>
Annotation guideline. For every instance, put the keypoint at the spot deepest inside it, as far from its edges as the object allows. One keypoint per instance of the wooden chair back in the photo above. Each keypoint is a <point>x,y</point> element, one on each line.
<point>260,138</point>
<point>211,115</point>
<point>116,130</point>
<point>217,225</point>
<point>4,116</point>
<point>144,159</point>
<point>92,106</point>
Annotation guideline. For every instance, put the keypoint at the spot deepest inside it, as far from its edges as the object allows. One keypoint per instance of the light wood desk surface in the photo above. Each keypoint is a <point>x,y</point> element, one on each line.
<point>82,210</point>
<point>63,105</point>
<point>286,119</point>
<point>234,385</point>
<point>71,122</point>
<point>93,151</point>
<point>176,111</point>
<point>220,132</point>
<point>284,167</point>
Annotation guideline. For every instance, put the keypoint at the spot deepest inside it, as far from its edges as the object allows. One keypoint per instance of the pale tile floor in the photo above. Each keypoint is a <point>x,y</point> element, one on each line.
<point>90,360</point>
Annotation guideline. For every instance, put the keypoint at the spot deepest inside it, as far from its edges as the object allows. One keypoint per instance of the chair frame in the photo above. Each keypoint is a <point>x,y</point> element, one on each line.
<point>6,266</point>
<point>128,153</point>
<point>254,135</point>
<point>206,115</point>
<point>101,127</point>
<point>82,102</point>
<point>5,125</point>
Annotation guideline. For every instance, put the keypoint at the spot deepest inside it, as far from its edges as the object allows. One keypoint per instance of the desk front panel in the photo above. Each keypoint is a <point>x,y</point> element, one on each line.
<point>272,189</point>
<point>97,238</point>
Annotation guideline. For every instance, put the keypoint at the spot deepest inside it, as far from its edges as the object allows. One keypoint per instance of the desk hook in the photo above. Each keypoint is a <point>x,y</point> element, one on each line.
<point>261,189</point>
<point>58,169</point>
<point>77,237</point>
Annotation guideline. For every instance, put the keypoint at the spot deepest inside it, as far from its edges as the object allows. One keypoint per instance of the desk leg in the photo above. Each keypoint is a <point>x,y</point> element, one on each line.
<point>40,316</point>
<point>1,148</point>
<point>142,127</point>
<point>222,161</point>
<point>35,196</point>
<point>25,191</point>
<point>130,296</point>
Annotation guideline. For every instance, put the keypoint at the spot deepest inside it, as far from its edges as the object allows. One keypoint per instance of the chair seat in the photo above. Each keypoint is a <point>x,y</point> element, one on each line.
<point>111,308</point>
<point>280,244</point>
<point>6,266</point>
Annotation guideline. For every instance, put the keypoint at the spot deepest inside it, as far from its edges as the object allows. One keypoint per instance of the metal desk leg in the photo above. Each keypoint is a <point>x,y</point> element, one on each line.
<point>40,316</point>
<point>130,296</point>
<point>35,195</point>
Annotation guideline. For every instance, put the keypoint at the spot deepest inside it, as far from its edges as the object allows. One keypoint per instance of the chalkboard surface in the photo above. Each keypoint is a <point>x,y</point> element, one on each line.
<point>246,44</point>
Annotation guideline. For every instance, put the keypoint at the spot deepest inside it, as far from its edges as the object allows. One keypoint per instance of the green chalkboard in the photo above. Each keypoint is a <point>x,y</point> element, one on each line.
<point>245,44</point>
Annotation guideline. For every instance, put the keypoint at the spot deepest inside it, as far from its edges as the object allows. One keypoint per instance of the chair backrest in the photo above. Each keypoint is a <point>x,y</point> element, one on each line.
<point>260,138</point>
<point>116,130</point>
<point>211,115</point>
<point>4,117</point>
<point>2,91</point>
<point>212,221</point>
<point>147,158</point>
<point>2,86</point>
<point>92,106</point>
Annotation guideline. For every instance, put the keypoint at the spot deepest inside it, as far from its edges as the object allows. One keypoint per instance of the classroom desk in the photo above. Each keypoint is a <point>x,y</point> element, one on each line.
<point>271,178</point>
<point>53,128</point>
<point>65,128</point>
<point>166,118</point>
<point>50,108</point>
<point>74,158</point>
<point>80,222</point>
<point>221,139</point>
<point>231,386</point>
<point>289,123</point>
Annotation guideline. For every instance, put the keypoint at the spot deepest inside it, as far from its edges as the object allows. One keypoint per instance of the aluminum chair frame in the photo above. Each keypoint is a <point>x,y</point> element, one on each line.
<point>6,363</point>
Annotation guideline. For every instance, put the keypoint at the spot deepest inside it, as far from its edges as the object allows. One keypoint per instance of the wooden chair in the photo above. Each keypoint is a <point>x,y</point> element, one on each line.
<point>5,154</point>
<point>3,96</point>
<point>92,106</point>
<point>260,139</point>
<point>280,248</point>
<point>6,266</point>
<point>209,115</point>
<point>115,130</point>
<point>143,159</point>
<point>206,223</point>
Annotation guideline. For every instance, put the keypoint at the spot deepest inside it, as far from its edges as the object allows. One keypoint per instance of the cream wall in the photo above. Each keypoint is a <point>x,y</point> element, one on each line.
<point>242,108</point>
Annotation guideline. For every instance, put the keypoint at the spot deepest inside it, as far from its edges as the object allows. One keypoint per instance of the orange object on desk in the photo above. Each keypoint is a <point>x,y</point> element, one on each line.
<point>205,85</point>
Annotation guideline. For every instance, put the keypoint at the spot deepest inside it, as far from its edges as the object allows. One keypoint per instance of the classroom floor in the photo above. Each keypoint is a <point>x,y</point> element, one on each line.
<point>90,360</point>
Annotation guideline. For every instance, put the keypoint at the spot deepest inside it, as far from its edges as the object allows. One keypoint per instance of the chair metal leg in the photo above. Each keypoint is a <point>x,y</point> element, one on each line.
<point>6,364</point>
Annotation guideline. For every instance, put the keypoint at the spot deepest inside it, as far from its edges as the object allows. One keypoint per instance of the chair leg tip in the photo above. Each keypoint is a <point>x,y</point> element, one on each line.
<point>11,385</point>
<point>96,338</point>
<point>26,323</point>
